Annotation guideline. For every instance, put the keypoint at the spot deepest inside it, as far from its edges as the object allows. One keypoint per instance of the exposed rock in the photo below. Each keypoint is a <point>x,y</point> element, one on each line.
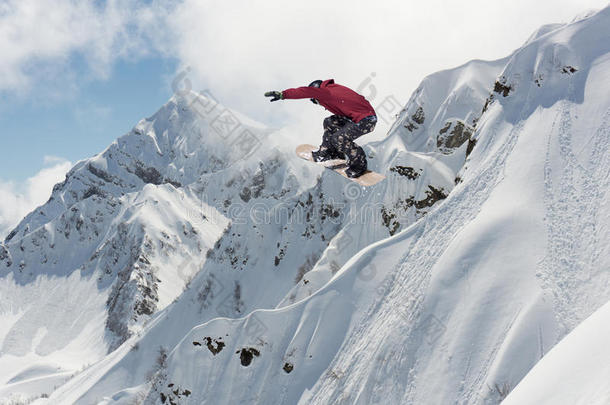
<point>215,346</point>
<point>11,235</point>
<point>148,175</point>
<point>416,118</point>
<point>501,87</point>
<point>174,183</point>
<point>389,221</point>
<point>93,190</point>
<point>247,354</point>
<point>102,174</point>
<point>433,195</point>
<point>419,115</point>
<point>460,133</point>
<point>5,255</point>
<point>391,216</point>
<point>471,144</point>
<point>173,396</point>
<point>488,101</point>
<point>568,69</point>
<point>406,171</point>
<point>135,291</point>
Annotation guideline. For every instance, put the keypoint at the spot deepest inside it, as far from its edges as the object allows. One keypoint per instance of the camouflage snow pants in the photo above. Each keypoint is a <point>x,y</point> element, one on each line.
<point>338,139</point>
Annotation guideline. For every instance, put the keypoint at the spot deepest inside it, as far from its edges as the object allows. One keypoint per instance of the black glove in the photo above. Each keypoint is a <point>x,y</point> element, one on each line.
<point>277,95</point>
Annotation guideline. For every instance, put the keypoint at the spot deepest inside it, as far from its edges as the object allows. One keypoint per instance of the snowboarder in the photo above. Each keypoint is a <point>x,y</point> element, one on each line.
<point>353,116</point>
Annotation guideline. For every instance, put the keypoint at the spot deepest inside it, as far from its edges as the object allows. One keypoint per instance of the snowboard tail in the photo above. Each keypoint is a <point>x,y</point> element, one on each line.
<point>339,166</point>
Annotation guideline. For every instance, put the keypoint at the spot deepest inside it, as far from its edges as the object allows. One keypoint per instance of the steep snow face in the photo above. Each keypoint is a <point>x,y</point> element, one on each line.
<point>422,156</point>
<point>570,72</point>
<point>292,226</point>
<point>576,371</point>
<point>199,197</point>
<point>283,213</point>
<point>182,201</point>
<point>459,306</point>
<point>443,111</point>
<point>512,260</point>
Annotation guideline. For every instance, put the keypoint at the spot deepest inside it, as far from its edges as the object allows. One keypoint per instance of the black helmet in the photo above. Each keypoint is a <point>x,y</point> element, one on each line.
<point>316,84</point>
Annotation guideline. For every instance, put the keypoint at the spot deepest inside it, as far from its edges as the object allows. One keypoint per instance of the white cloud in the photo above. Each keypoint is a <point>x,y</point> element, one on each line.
<point>240,49</point>
<point>40,39</point>
<point>18,199</point>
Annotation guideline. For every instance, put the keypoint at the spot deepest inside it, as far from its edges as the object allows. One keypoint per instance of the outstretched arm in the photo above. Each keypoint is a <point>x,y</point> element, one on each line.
<point>299,92</point>
<point>305,92</point>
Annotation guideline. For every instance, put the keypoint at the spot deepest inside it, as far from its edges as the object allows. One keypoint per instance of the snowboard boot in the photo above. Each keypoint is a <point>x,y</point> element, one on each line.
<point>352,173</point>
<point>325,156</point>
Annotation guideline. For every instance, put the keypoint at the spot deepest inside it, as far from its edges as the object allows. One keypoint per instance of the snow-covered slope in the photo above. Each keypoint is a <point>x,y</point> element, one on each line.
<point>575,372</point>
<point>170,206</point>
<point>470,297</point>
<point>191,273</point>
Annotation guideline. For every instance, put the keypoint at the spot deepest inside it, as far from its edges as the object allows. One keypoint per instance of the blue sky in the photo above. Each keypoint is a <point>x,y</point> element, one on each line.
<point>80,125</point>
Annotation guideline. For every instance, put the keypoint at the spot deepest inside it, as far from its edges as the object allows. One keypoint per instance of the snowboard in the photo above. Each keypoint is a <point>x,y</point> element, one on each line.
<point>369,178</point>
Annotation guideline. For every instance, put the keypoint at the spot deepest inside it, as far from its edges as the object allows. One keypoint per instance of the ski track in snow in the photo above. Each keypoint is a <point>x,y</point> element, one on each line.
<point>569,267</point>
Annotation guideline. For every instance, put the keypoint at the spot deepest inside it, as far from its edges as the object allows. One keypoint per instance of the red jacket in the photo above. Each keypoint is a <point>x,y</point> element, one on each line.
<point>337,99</point>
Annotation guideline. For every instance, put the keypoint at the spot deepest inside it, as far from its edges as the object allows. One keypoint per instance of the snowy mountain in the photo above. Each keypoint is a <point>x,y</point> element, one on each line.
<point>196,260</point>
<point>188,204</point>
